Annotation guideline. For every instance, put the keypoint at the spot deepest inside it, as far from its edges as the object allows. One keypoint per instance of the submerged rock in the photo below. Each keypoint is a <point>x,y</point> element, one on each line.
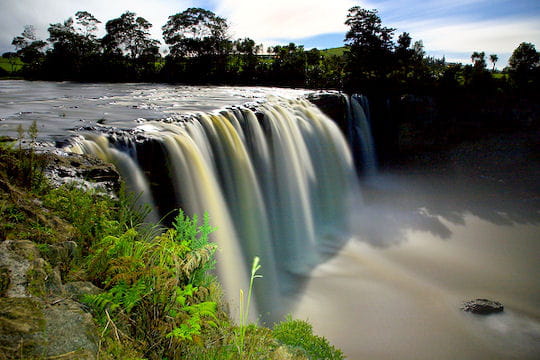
<point>482,306</point>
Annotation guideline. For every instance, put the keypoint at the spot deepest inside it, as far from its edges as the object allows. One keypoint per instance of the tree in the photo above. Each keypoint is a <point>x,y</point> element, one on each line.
<point>366,31</point>
<point>196,32</point>
<point>289,66</point>
<point>29,48</point>
<point>524,66</point>
<point>128,34</point>
<point>402,51</point>
<point>370,45</point>
<point>493,58</point>
<point>402,48</point>
<point>524,59</point>
<point>74,46</point>
<point>75,38</point>
<point>479,60</point>
<point>244,59</point>
<point>418,51</point>
<point>199,46</point>
<point>87,24</point>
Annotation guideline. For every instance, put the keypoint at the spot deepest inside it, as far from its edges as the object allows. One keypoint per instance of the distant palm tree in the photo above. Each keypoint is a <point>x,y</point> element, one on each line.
<point>475,55</point>
<point>479,60</point>
<point>493,58</point>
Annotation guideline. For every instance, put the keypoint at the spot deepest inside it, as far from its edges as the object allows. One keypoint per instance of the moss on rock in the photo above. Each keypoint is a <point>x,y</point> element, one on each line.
<point>5,280</point>
<point>20,320</point>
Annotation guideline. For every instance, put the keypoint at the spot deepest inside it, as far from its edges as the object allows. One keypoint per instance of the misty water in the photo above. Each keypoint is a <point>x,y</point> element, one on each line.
<point>422,238</point>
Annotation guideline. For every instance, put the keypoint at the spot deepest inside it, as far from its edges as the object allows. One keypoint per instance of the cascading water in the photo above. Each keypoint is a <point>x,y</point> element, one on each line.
<point>278,185</point>
<point>359,132</point>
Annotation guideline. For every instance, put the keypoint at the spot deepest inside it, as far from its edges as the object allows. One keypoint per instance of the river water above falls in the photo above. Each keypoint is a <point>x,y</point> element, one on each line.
<point>379,267</point>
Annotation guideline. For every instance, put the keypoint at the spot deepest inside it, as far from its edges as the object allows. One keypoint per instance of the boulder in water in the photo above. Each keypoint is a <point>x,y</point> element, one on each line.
<point>482,306</point>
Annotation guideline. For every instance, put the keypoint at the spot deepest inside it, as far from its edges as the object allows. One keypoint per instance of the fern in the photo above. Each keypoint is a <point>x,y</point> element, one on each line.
<point>194,322</point>
<point>121,296</point>
<point>157,286</point>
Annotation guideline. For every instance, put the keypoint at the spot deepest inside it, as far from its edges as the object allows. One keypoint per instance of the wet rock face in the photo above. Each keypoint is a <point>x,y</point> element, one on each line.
<point>333,105</point>
<point>482,306</point>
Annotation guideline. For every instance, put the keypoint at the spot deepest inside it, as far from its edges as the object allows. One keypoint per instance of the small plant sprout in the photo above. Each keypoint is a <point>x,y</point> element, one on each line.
<point>20,137</point>
<point>244,307</point>
<point>33,131</point>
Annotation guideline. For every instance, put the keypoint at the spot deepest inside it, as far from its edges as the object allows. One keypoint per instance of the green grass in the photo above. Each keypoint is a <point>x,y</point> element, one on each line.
<point>500,76</point>
<point>339,51</point>
<point>5,64</point>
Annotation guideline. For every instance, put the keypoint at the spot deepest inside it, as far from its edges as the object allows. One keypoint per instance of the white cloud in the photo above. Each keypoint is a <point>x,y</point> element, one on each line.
<point>284,19</point>
<point>492,36</point>
<point>457,38</point>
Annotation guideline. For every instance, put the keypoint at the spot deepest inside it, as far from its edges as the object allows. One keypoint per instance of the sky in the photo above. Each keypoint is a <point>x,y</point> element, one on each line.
<point>450,28</point>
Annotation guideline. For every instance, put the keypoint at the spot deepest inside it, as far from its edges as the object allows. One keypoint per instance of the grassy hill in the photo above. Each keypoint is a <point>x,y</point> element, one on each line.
<point>339,51</point>
<point>5,64</point>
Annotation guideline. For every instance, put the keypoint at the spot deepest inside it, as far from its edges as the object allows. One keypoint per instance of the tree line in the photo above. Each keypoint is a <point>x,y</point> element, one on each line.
<point>200,51</point>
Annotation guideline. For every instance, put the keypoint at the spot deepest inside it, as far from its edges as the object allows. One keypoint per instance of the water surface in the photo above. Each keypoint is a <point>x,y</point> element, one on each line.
<point>426,240</point>
<point>59,107</point>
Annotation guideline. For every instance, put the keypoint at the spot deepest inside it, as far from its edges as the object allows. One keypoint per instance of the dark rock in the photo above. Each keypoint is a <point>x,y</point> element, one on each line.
<point>32,329</point>
<point>61,254</point>
<point>16,256</point>
<point>482,306</point>
<point>42,280</point>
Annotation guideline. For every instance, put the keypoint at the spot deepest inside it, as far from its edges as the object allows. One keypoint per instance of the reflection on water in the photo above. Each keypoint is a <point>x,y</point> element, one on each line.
<point>396,204</point>
<point>425,241</point>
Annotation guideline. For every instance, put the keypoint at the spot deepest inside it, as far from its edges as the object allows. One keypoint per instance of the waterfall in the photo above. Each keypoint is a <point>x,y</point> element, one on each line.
<point>277,183</point>
<point>359,133</point>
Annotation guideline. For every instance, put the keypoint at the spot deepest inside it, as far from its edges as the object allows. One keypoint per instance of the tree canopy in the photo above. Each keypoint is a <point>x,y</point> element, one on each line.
<point>196,32</point>
<point>129,34</point>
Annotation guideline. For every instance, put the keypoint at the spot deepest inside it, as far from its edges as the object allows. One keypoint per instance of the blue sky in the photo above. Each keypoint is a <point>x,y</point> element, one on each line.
<point>453,28</point>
